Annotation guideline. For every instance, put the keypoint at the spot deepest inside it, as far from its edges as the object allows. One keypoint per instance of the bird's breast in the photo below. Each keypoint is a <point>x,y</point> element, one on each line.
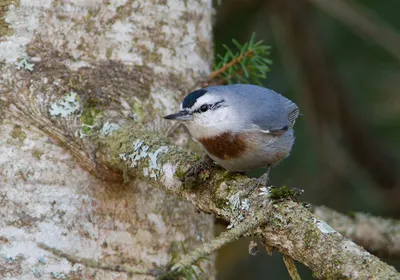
<point>248,150</point>
<point>225,145</point>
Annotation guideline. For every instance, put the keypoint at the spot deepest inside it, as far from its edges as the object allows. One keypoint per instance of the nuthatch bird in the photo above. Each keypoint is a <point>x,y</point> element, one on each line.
<point>241,127</point>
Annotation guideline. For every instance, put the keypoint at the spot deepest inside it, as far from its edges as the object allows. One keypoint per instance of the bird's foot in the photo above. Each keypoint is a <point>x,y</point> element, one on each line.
<point>198,168</point>
<point>262,181</point>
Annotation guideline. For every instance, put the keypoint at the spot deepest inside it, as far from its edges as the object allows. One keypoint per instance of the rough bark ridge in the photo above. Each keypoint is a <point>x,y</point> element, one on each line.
<point>70,71</point>
<point>378,235</point>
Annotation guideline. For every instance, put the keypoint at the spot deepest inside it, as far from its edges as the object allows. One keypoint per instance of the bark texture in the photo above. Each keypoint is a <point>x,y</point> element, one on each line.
<point>378,235</point>
<point>70,72</point>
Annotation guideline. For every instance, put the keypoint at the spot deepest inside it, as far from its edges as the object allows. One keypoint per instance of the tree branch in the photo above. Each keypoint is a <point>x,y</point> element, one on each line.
<point>378,235</point>
<point>291,228</point>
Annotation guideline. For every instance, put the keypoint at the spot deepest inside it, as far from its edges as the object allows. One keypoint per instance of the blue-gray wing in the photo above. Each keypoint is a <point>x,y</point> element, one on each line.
<point>272,112</point>
<point>262,107</point>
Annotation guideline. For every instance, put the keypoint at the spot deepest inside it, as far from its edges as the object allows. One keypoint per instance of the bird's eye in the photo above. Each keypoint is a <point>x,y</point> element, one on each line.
<point>204,108</point>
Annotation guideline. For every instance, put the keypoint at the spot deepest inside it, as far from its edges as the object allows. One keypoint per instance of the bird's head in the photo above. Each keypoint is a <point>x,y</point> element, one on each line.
<point>206,113</point>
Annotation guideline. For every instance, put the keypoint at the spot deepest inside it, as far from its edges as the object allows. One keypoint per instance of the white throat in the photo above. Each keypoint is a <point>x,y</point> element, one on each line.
<point>211,123</point>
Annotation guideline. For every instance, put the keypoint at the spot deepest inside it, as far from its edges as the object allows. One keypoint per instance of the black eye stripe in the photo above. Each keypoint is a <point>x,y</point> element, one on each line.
<point>205,107</point>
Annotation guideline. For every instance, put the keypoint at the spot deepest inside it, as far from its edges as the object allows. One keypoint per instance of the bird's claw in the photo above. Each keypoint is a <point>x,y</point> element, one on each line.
<point>204,164</point>
<point>262,181</point>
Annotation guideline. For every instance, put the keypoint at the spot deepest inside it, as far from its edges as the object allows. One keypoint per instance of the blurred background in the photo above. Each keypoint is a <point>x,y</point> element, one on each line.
<point>340,62</point>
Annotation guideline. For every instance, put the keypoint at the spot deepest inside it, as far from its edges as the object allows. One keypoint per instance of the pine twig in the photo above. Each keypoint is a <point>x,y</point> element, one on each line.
<point>224,68</point>
<point>249,63</point>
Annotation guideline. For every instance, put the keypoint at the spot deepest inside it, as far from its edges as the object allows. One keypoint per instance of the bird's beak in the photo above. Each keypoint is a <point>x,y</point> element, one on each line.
<point>181,116</point>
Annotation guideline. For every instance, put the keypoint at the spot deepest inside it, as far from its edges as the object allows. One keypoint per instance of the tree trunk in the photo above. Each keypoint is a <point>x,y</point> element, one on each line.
<point>71,73</point>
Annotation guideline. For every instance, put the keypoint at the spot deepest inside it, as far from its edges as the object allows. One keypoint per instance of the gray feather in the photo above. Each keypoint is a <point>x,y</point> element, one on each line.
<point>259,106</point>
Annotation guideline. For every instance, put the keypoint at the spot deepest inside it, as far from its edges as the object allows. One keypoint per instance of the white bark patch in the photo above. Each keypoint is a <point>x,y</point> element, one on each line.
<point>158,222</point>
<point>24,20</point>
<point>168,179</point>
<point>164,100</point>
